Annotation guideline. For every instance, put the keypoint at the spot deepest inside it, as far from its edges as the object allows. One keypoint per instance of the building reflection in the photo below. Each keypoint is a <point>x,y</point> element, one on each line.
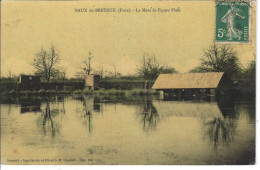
<point>30,106</point>
<point>33,104</point>
<point>218,123</point>
<point>201,110</point>
<point>89,105</point>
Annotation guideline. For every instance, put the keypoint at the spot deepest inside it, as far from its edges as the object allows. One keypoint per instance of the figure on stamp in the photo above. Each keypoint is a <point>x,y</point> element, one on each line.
<point>230,19</point>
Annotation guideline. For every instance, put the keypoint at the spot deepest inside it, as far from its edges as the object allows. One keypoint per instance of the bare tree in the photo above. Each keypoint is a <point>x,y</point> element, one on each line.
<point>45,63</point>
<point>86,68</point>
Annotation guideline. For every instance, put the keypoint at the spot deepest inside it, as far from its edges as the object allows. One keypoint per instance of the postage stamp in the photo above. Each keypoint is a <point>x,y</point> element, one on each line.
<point>232,21</point>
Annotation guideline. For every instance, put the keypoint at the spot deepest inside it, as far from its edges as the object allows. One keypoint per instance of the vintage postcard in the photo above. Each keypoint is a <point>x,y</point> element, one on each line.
<point>128,82</point>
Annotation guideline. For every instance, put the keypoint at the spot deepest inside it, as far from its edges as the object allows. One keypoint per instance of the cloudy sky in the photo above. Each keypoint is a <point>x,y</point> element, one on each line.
<point>115,39</point>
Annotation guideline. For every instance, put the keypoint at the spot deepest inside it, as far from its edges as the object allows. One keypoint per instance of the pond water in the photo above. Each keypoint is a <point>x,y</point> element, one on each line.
<point>136,130</point>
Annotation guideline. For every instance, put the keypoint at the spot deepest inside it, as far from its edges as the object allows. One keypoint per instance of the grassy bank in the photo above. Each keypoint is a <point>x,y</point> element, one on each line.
<point>133,92</point>
<point>115,92</point>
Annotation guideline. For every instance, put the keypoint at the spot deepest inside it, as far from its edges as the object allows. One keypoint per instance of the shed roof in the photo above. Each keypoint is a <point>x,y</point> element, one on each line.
<point>188,80</point>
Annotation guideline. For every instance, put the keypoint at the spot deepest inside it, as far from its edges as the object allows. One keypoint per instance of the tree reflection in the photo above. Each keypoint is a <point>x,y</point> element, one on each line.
<point>150,115</point>
<point>88,120</point>
<point>46,120</point>
<point>61,99</point>
<point>220,131</point>
<point>90,105</point>
<point>48,117</point>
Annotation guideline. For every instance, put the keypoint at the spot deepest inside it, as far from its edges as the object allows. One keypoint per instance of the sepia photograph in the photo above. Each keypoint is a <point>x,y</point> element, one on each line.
<point>128,82</point>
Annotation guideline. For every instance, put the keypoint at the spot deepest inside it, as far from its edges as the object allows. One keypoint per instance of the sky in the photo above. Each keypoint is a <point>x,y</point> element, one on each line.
<point>116,40</point>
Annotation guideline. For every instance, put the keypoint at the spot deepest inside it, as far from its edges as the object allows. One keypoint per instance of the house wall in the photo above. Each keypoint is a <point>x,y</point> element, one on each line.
<point>92,81</point>
<point>89,81</point>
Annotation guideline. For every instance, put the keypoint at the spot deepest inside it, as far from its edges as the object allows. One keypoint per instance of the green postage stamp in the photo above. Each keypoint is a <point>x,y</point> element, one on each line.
<point>232,21</point>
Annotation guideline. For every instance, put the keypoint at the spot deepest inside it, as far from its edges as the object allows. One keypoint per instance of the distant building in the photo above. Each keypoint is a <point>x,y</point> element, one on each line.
<point>189,84</point>
<point>29,82</point>
<point>92,82</point>
<point>24,79</point>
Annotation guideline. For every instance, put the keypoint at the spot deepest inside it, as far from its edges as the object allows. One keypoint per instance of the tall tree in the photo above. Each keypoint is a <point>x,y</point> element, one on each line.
<point>220,58</point>
<point>46,63</point>
<point>250,71</point>
<point>150,68</point>
<point>249,77</point>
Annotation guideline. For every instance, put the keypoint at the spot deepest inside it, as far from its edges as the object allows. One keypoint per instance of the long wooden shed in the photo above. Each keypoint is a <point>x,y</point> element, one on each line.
<point>189,83</point>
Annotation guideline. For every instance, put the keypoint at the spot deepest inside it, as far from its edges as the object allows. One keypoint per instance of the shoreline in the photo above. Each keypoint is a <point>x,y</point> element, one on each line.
<point>134,92</point>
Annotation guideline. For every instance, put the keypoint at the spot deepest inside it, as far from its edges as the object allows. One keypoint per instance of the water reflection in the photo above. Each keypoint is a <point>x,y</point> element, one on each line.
<point>187,109</point>
<point>29,106</point>
<point>195,97</point>
<point>220,131</point>
<point>49,106</point>
<point>218,118</point>
<point>91,105</point>
<point>228,109</point>
<point>46,119</point>
<point>96,104</point>
<point>87,119</point>
<point>150,116</point>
